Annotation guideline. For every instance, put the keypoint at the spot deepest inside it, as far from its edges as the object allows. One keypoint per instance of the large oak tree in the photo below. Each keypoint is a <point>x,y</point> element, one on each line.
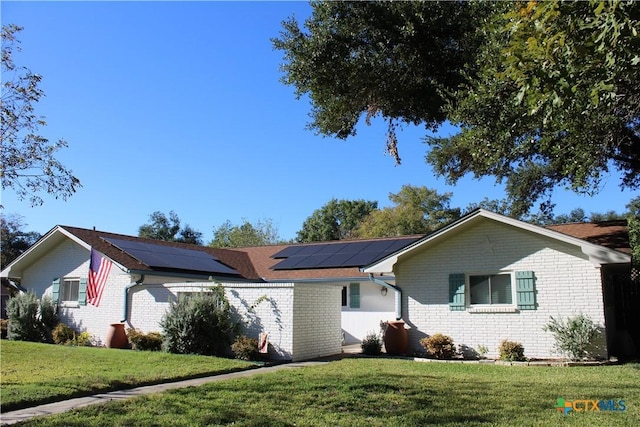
<point>544,94</point>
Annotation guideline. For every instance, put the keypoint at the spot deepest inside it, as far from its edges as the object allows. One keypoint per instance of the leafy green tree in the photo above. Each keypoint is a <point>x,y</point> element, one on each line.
<point>606,216</point>
<point>166,228</point>
<point>633,207</point>
<point>633,223</point>
<point>336,220</point>
<point>14,239</point>
<point>246,234</point>
<point>202,323</point>
<point>493,205</point>
<point>555,101</point>
<point>27,162</point>
<point>417,210</point>
<point>544,94</point>
<point>397,60</point>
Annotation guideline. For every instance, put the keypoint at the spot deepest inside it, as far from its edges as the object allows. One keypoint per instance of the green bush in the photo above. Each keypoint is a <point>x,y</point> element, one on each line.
<point>511,351</point>
<point>65,335</point>
<point>439,346</point>
<point>245,348</point>
<point>574,336</point>
<point>371,344</point>
<point>48,313</point>
<point>151,341</point>
<point>30,319</point>
<point>202,324</point>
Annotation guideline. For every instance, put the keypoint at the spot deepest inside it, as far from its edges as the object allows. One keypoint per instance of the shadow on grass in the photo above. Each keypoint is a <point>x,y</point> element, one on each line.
<point>114,385</point>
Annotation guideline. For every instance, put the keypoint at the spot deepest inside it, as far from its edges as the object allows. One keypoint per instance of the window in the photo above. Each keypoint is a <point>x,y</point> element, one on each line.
<point>490,289</point>
<point>69,290</point>
<point>495,290</point>
<point>354,295</point>
<point>344,296</point>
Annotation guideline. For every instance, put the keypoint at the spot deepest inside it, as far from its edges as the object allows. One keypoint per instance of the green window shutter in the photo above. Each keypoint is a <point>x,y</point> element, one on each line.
<point>456,292</point>
<point>82,292</point>
<point>526,290</point>
<point>55,290</point>
<point>354,295</point>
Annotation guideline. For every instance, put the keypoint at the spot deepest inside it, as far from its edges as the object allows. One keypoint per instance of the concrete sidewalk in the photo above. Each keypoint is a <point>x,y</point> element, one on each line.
<point>13,417</point>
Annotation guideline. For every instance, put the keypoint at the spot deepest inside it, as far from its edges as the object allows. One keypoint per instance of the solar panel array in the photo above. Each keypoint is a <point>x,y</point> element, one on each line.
<point>336,255</point>
<point>169,257</point>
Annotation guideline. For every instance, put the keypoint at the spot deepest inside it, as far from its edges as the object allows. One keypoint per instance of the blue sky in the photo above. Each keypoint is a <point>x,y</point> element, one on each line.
<point>178,106</point>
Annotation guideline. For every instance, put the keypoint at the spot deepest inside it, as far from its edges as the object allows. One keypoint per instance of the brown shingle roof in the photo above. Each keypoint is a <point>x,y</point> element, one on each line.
<point>253,263</point>
<point>610,234</point>
<point>95,238</point>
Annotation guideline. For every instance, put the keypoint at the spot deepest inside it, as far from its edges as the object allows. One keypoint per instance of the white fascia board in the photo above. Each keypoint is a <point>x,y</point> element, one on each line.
<point>50,239</point>
<point>37,247</point>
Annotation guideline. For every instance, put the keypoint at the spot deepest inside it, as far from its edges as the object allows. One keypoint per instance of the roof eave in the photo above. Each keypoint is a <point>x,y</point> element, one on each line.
<point>15,268</point>
<point>598,255</point>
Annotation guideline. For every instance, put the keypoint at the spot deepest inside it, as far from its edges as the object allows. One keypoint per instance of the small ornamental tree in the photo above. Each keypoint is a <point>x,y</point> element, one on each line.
<point>30,319</point>
<point>573,336</point>
<point>201,324</point>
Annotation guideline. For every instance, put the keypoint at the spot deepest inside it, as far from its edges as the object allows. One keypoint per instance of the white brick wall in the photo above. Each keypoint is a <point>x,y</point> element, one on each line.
<point>70,260</point>
<point>302,320</point>
<point>316,321</point>
<point>273,316</point>
<point>567,284</point>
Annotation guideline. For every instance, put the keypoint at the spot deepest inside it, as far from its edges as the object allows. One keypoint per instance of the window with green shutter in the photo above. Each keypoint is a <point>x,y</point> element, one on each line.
<point>456,292</point>
<point>55,290</point>
<point>526,290</point>
<point>69,292</point>
<point>82,292</point>
<point>490,289</point>
<point>354,295</point>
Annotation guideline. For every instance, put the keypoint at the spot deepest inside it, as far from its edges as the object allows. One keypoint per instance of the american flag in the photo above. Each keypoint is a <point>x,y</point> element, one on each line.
<point>99,268</point>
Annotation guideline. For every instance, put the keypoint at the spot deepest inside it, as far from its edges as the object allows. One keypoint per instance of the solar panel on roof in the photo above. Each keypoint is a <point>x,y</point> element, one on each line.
<point>287,252</point>
<point>288,263</point>
<point>338,260</point>
<point>314,261</point>
<point>170,257</point>
<point>364,258</point>
<point>344,254</point>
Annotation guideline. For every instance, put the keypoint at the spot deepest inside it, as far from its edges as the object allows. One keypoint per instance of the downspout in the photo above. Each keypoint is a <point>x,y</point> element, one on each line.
<point>125,315</point>
<point>394,288</point>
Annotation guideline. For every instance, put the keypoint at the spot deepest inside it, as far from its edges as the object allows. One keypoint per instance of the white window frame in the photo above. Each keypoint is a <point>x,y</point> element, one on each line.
<point>65,282</point>
<point>492,306</point>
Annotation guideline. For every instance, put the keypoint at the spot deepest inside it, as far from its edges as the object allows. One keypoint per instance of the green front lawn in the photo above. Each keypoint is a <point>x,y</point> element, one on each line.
<point>381,392</point>
<point>33,373</point>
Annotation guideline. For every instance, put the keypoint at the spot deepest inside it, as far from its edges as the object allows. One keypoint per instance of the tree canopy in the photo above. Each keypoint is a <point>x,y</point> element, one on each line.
<point>15,239</point>
<point>336,220</point>
<point>417,210</point>
<point>27,162</point>
<point>263,232</point>
<point>544,94</point>
<point>161,227</point>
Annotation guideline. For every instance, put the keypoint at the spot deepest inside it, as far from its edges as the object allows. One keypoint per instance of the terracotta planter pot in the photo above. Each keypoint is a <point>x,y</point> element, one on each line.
<point>116,336</point>
<point>396,338</point>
